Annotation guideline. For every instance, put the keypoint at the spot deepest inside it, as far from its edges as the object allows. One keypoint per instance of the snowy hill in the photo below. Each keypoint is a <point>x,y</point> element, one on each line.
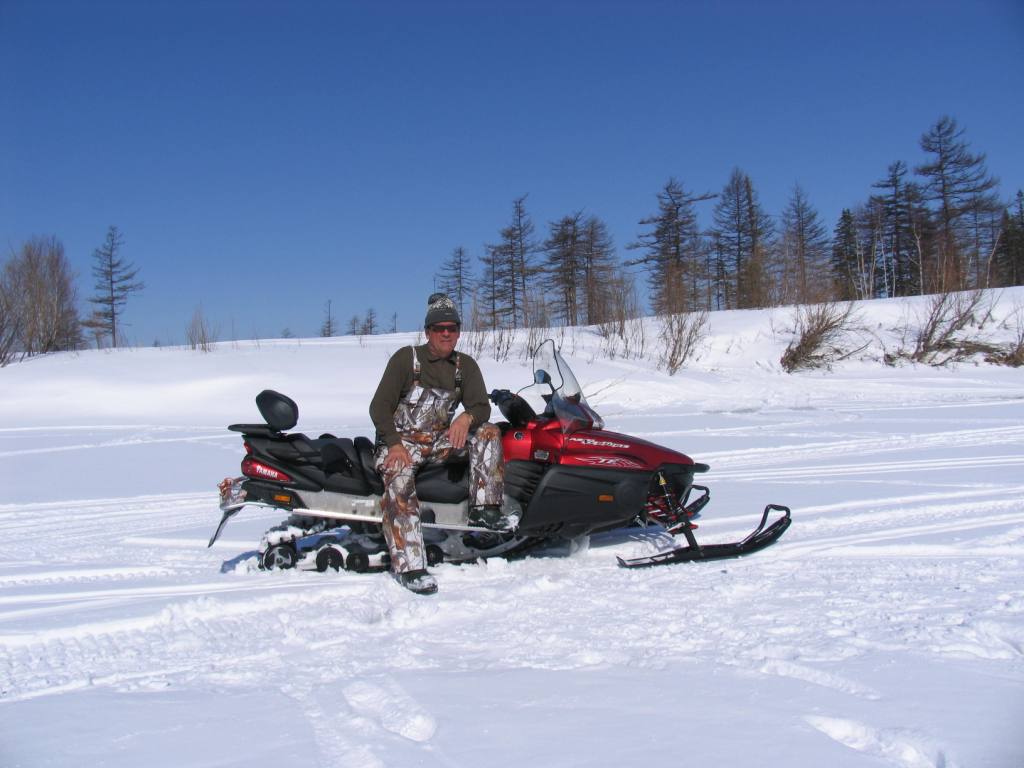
<point>885,628</point>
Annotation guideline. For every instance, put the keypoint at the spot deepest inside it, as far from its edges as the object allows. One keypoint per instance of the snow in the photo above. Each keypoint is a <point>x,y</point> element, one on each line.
<point>885,628</point>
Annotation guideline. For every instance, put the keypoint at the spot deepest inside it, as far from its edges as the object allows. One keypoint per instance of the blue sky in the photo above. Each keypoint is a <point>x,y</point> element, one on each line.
<point>261,158</point>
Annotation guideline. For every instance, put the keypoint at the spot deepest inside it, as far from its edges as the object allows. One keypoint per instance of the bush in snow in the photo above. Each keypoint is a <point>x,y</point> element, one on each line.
<point>951,329</point>
<point>1011,354</point>
<point>679,337</point>
<point>820,332</point>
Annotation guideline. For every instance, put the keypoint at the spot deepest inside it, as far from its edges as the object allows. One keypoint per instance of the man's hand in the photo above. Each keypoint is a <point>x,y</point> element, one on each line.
<point>398,458</point>
<point>459,430</point>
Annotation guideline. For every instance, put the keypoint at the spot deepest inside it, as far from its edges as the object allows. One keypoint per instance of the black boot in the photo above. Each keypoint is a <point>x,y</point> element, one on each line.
<point>420,582</point>
<point>490,516</point>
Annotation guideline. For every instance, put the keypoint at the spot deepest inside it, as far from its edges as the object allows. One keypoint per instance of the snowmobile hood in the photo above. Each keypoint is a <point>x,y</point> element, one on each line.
<point>616,449</point>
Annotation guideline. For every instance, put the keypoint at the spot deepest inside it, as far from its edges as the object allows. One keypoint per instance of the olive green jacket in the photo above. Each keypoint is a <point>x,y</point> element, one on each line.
<point>435,372</point>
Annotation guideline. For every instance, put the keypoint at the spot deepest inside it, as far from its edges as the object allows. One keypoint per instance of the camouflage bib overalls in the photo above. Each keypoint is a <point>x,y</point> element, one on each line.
<point>422,418</point>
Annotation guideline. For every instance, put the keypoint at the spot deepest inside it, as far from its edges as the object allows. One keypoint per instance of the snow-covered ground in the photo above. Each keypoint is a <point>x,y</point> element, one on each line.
<point>885,628</point>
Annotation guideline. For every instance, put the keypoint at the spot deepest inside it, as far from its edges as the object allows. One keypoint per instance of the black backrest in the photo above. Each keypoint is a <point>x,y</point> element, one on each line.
<point>364,448</point>
<point>279,411</point>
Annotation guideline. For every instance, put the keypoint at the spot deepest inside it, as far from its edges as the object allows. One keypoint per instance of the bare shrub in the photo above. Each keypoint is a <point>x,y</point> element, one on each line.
<point>621,328</point>
<point>501,343</point>
<point>199,334</point>
<point>942,336</point>
<point>534,336</point>
<point>1011,354</point>
<point>820,333</point>
<point>679,337</point>
<point>472,342</point>
<point>634,338</point>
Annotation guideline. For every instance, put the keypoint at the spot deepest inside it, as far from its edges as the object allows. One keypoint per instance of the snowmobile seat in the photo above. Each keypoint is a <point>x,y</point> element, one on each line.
<point>295,448</point>
<point>339,455</point>
<point>446,483</point>
<point>364,450</point>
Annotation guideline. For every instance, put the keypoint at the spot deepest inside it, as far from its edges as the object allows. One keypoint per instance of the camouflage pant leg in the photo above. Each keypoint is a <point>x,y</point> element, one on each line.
<point>486,466</point>
<point>400,508</point>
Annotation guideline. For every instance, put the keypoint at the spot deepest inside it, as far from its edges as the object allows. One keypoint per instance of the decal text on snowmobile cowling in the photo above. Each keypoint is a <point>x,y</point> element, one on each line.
<point>601,443</point>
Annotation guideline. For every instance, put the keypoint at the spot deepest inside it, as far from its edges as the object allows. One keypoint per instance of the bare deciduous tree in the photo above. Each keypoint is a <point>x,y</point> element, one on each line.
<point>37,301</point>
<point>369,326</point>
<point>199,333</point>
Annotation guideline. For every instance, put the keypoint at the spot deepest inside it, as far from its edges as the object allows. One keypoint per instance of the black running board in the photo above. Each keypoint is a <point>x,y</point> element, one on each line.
<point>760,538</point>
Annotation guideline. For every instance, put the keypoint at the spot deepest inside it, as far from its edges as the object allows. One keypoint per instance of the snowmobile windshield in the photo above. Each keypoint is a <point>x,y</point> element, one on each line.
<point>566,400</point>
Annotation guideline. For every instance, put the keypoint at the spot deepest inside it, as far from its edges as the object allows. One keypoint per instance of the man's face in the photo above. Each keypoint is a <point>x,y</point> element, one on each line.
<point>441,338</point>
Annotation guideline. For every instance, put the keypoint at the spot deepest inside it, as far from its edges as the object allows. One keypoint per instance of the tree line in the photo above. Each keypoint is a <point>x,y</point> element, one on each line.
<point>39,298</point>
<point>942,229</point>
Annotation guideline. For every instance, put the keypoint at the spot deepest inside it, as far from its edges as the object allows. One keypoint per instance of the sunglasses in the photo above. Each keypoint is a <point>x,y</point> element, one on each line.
<point>446,328</point>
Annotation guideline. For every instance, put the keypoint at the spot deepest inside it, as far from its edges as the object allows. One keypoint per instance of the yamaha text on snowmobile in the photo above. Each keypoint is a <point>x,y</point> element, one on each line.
<point>565,477</point>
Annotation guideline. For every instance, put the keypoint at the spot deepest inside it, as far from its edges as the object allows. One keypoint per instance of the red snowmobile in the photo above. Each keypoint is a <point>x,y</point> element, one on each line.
<point>565,477</point>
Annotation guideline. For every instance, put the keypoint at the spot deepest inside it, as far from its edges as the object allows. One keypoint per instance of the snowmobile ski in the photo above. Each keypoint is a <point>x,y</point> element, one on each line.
<point>759,538</point>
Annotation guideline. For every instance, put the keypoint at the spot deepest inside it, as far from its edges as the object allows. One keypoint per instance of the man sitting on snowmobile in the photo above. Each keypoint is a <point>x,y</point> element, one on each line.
<point>412,410</point>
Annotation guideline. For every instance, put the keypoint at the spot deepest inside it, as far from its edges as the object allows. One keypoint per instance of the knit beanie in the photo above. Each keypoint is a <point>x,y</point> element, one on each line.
<point>441,309</point>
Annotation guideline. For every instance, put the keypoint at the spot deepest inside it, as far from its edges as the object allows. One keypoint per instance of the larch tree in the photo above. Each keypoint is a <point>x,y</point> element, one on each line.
<point>744,237</point>
<point>672,250</point>
<point>328,327</point>
<point>456,278</point>
<point>897,198</point>
<point>804,251</point>
<point>957,184</point>
<point>115,282</point>
<point>563,267</point>
<point>600,270</point>
<point>1009,253</point>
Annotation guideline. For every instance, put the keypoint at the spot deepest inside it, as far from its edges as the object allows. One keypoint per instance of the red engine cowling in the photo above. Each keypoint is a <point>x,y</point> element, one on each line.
<point>543,441</point>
